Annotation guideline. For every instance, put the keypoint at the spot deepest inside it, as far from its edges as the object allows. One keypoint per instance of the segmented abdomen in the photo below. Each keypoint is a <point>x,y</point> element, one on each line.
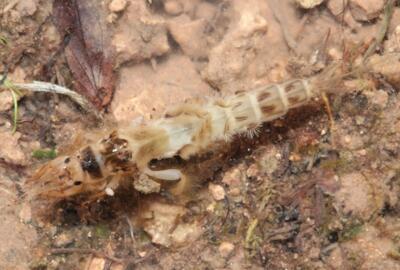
<point>192,128</point>
<point>249,109</point>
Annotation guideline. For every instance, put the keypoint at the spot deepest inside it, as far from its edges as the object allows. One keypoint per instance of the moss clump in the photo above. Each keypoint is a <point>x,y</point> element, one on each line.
<point>44,154</point>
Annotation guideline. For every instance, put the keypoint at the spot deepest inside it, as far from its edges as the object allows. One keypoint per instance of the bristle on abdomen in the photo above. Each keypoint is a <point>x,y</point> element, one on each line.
<point>248,110</point>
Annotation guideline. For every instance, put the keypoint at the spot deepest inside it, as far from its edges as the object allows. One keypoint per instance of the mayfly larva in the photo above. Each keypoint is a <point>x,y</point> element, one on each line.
<point>184,131</point>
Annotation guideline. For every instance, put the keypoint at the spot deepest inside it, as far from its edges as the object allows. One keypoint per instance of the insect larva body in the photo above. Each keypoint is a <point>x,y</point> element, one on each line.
<point>184,131</point>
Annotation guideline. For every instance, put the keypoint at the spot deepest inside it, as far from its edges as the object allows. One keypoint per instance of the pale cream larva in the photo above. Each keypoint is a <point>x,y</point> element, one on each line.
<point>184,131</point>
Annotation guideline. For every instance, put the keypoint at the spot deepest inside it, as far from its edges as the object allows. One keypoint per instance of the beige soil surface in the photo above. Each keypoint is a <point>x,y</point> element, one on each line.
<point>303,194</point>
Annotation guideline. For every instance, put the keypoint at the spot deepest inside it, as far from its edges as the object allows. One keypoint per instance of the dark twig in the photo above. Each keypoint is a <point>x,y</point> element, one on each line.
<point>228,210</point>
<point>5,73</point>
<point>382,29</point>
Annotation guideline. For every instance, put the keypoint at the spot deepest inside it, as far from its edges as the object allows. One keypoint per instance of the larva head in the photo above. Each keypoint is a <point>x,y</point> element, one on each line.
<point>67,176</point>
<point>90,170</point>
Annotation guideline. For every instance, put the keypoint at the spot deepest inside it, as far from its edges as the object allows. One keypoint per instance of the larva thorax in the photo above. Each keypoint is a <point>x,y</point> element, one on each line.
<point>185,130</point>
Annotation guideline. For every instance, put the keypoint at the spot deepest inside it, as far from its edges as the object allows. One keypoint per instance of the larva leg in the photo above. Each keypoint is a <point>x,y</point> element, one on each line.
<point>187,109</point>
<point>168,175</point>
<point>328,110</point>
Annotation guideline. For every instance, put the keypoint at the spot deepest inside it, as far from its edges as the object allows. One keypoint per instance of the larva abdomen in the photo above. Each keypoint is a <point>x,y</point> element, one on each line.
<point>265,104</point>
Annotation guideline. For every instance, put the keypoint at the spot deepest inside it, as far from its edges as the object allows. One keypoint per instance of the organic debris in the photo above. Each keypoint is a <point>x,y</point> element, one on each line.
<point>89,52</point>
<point>310,190</point>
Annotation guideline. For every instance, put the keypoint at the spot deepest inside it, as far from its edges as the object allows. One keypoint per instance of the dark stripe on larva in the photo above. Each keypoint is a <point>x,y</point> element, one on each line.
<point>89,163</point>
<point>294,100</point>
<point>263,95</point>
<point>290,87</point>
<point>240,92</point>
<point>268,109</point>
<point>237,105</point>
<point>252,126</point>
<point>241,118</point>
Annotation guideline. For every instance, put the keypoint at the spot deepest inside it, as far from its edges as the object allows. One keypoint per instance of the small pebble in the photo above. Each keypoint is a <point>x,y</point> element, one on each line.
<point>205,10</point>
<point>380,98</point>
<point>25,213</point>
<point>360,120</point>
<point>117,5</point>
<point>253,171</point>
<point>307,4</point>
<point>233,178</point>
<point>109,191</point>
<point>217,192</point>
<point>362,152</point>
<point>27,7</point>
<point>234,192</point>
<point>63,240</point>
<point>146,185</point>
<point>173,7</point>
<point>225,249</point>
<point>335,54</point>
<point>142,253</point>
<point>366,10</point>
<point>6,101</point>
<point>112,18</point>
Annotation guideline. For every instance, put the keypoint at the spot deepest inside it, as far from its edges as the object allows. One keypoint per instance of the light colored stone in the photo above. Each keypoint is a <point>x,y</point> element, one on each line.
<point>335,54</point>
<point>160,222</point>
<point>141,41</point>
<point>11,151</point>
<point>231,62</point>
<point>234,192</point>
<point>189,35</point>
<point>27,7</point>
<point>253,171</point>
<point>393,43</point>
<point>372,248</point>
<point>358,196</point>
<point>117,5</point>
<point>309,3</point>
<point>25,214</point>
<point>233,177</point>
<point>175,81</point>
<point>337,6</point>
<point>387,65</point>
<point>217,191</point>
<point>335,258</point>
<point>63,240</point>
<point>205,10</point>
<point>139,35</point>
<point>146,185</point>
<point>366,10</point>
<point>339,9</point>
<point>18,75</point>
<point>112,17</point>
<point>173,7</point>
<point>226,248</point>
<point>96,264</point>
<point>6,100</point>
<point>352,141</point>
<point>379,98</point>
<point>269,159</point>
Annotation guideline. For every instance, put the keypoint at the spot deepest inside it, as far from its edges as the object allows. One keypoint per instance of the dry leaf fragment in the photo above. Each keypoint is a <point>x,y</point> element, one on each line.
<point>89,53</point>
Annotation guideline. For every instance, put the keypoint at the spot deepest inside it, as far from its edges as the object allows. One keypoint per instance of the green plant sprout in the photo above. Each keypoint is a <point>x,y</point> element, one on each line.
<point>15,93</point>
<point>3,40</point>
